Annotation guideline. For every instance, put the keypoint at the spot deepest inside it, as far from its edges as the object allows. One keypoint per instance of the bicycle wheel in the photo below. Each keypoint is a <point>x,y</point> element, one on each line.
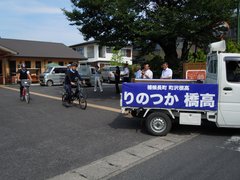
<point>83,92</point>
<point>64,97</point>
<point>22,98</point>
<point>27,95</point>
<point>82,102</point>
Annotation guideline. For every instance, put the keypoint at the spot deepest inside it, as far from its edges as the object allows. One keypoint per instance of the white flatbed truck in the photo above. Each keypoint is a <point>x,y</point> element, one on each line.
<point>217,99</point>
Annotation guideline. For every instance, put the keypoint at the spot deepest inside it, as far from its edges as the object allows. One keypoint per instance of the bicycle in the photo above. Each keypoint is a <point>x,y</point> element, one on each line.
<point>25,92</point>
<point>79,94</point>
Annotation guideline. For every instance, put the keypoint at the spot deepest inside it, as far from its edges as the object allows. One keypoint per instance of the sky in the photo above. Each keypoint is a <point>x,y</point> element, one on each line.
<point>38,20</point>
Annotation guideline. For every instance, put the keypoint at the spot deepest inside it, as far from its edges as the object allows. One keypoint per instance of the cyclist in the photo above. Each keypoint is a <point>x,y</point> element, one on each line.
<point>68,67</point>
<point>70,80</point>
<point>23,73</point>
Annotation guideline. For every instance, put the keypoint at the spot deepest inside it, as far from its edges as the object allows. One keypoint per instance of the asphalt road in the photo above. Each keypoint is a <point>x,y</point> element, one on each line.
<point>43,139</point>
<point>214,155</point>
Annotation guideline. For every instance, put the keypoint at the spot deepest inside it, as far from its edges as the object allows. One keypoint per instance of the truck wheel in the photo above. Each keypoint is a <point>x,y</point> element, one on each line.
<point>158,124</point>
<point>49,83</point>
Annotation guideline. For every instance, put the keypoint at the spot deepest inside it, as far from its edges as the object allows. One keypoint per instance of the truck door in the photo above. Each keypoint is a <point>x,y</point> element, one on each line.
<point>229,99</point>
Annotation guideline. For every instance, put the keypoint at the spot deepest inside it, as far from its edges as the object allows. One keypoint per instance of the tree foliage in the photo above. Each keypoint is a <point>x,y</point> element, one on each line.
<point>232,47</point>
<point>145,23</point>
<point>199,56</point>
<point>117,58</point>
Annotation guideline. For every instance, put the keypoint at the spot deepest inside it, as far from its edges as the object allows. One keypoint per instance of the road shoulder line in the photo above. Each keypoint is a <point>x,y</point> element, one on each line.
<point>59,99</point>
<point>121,161</point>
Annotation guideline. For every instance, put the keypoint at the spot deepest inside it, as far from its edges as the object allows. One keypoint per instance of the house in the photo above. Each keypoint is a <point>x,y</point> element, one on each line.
<point>35,54</point>
<point>101,55</point>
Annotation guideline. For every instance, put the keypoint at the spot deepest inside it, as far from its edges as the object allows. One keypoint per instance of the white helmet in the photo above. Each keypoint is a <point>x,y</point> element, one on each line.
<point>23,65</point>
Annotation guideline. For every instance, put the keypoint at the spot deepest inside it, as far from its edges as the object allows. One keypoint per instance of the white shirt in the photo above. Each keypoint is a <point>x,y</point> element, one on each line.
<point>138,74</point>
<point>126,72</point>
<point>149,74</point>
<point>167,73</point>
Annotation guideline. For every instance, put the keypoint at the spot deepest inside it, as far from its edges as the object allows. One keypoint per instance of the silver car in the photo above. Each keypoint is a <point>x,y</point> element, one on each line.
<point>53,76</point>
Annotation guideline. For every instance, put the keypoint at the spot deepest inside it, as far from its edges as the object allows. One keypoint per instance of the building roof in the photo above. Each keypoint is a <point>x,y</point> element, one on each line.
<point>26,48</point>
<point>92,42</point>
<point>6,51</point>
<point>85,43</point>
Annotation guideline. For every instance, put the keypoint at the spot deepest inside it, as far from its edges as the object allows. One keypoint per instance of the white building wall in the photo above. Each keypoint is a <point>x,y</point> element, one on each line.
<point>108,56</point>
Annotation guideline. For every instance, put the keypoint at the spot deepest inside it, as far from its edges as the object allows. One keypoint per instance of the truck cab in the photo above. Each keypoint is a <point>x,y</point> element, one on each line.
<point>224,69</point>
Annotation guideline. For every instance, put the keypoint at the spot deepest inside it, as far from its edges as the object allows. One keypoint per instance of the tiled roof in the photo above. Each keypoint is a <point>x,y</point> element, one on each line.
<point>6,51</point>
<point>26,48</point>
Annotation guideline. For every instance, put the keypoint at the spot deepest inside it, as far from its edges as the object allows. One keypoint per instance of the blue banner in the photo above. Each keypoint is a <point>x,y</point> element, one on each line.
<point>175,96</point>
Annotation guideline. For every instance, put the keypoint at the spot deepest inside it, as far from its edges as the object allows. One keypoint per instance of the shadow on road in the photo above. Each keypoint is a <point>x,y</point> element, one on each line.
<point>128,122</point>
<point>207,128</point>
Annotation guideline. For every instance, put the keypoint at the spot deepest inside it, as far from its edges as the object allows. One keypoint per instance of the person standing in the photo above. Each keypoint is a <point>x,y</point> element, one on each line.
<point>126,73</point>
<point>97,79</point>
<point>146,72</point>
<point>138,73</point>
<point>23,73</point>
<point>166,72</point>
<point>117,79</point>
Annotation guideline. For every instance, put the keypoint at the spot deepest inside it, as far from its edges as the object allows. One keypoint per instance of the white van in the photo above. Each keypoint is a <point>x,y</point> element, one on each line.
<point>53,76</point>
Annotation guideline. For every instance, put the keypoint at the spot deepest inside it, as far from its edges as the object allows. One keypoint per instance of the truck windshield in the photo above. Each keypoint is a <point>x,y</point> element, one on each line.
<point>48,70</point>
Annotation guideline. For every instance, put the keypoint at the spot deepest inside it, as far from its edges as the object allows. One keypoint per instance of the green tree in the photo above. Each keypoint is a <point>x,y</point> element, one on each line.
<point>145,23</point>
<point>117,58</point>
<point>232,47</point>
<point>198,56</point>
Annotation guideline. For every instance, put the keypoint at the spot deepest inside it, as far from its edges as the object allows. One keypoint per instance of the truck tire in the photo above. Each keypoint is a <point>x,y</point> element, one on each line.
<point>158,124</point>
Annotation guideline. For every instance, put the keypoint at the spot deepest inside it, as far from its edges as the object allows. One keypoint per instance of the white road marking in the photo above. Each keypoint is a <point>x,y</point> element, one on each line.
<point>114,164</point>
<point>59,99</point>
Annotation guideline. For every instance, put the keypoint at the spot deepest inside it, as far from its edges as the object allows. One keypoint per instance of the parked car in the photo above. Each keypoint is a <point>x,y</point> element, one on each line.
<point>108,73</point>
<point>87,73</point>
<point>53,76</point>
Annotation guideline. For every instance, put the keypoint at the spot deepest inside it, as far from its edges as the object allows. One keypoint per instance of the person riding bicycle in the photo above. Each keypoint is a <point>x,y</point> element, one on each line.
<point>23,73</point>
<point>71,77</point>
